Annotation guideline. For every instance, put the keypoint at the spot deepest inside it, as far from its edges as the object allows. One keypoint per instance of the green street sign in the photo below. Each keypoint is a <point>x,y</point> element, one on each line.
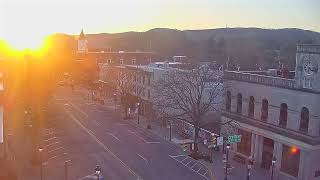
<point>234,139</point>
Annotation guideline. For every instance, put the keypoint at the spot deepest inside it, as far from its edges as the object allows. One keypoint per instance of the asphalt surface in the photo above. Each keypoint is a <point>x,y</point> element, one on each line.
<point>89,134</point>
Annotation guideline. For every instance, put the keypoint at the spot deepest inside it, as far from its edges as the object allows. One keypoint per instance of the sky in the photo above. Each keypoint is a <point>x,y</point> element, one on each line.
<point>28,20</point>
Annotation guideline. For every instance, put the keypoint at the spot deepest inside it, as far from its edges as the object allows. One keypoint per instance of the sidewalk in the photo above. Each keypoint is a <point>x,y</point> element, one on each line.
<point>217,167</point>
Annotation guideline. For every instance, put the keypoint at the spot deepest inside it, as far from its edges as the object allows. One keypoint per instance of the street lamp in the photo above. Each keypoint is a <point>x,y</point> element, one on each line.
<point>41,171</point>
<point>138,107</point>
<point>97,171</point>
<point>115,100</point>
<point>274,160</point>
<point>227,162</point>
<point>250,163</point>
<point>66,169</point>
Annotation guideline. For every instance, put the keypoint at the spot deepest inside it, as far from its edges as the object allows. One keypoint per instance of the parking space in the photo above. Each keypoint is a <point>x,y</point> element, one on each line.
<point>53,147</point>
<point>192,165</point>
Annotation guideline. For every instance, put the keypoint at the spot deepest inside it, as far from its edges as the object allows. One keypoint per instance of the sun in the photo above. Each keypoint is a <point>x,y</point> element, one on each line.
<point>22,42</point>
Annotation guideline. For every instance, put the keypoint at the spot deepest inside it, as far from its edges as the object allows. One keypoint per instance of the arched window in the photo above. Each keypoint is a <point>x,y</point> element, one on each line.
<point>251,107</point>
<point>283,115</point>
<point>264,110</point>
<point>228,101</point>
<point>304,120</point>
<point>239,103</point>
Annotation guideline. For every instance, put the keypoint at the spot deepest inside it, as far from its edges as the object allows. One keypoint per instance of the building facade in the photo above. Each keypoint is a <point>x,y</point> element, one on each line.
<point>279,118</point>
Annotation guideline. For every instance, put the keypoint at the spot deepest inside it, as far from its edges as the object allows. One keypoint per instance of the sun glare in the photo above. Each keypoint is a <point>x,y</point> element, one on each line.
<point>20,42</point>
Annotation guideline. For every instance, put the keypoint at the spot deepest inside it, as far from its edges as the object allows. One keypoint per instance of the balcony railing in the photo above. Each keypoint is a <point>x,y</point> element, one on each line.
<point>260,79</point>
<point>273,128</point>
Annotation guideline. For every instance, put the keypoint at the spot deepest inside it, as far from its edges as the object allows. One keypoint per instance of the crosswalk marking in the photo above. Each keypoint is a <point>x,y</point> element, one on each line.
<point>186,163</point>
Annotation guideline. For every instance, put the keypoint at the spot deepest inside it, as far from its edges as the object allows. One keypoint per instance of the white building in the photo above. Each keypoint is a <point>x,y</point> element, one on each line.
<point>279,117</point>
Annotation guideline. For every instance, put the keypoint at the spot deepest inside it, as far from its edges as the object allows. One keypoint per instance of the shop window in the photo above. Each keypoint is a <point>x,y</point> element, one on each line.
<point>290,160</point>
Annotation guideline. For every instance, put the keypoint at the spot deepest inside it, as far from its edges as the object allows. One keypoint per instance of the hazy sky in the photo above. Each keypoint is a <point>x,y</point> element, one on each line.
<point>19,18</point>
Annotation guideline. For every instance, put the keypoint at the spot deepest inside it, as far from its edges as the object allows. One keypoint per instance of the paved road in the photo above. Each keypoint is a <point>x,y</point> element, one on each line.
<point>90,134</point>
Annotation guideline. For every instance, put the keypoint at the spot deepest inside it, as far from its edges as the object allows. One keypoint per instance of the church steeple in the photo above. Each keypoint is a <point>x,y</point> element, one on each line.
<point>82,43</point>
<point>81,35</point>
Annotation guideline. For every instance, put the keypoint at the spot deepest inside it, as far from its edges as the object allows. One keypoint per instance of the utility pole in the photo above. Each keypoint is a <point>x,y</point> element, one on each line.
<point>66,169</point>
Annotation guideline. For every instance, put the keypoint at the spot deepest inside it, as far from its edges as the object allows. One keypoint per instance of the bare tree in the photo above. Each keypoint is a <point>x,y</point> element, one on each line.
<point>189,95</point>
<point>125,86</point>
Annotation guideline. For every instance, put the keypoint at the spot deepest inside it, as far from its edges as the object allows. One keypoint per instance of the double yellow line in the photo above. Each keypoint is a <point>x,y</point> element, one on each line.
<point>91,134</point>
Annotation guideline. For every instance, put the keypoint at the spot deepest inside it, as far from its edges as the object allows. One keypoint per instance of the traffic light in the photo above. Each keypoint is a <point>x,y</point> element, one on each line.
<point>214,141</point>
<point>294,150</point>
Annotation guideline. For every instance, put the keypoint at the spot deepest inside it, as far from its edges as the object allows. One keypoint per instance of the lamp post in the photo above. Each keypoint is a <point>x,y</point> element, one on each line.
<point>115,100</point>
<point>41,171</point>
<point>274,160</point>
<point>226,161</point>
<point>97,171</point>
<point>250,163</point>
<point>138,106</point>
<point>66,169</point>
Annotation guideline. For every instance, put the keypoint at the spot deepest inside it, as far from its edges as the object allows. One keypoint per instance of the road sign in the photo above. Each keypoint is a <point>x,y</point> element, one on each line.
<point>219,141</point>
<point>234,139</point>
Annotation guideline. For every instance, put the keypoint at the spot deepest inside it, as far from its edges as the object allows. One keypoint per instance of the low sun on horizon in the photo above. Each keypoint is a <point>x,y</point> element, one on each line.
<point>18,42</point>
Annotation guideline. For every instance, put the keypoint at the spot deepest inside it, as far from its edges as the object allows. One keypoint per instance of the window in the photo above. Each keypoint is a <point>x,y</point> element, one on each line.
<point>304,120</point>
<point>239,103</point>
<point>290,160</point>
<point>148,93</point>
<point>143,79</point>
<point>148,80</point>
<point>307,83</point>
<point>121,61</point>
<point>251,107</point>
<point>109,61</point>
<point>143,92</point>
<point>283,115</point>
<point>133,61</point>
<point>264,110</point>
<point>228,101</point>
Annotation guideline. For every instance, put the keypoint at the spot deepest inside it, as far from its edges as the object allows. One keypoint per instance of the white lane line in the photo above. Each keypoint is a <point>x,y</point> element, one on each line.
<point>135,133</point>
<point>55,149</point>
<point>48,145</point>
<point>146,161</point>
<point>91,176</point>
<point>90,133</point>
<point>113,136</point>
<point>50,139</point>
<point>120,124</point>
<point>177,155</point>
<point>132,132</point>
<point>155,142</point>
<point>54,157</point>
<point>78,109</point>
